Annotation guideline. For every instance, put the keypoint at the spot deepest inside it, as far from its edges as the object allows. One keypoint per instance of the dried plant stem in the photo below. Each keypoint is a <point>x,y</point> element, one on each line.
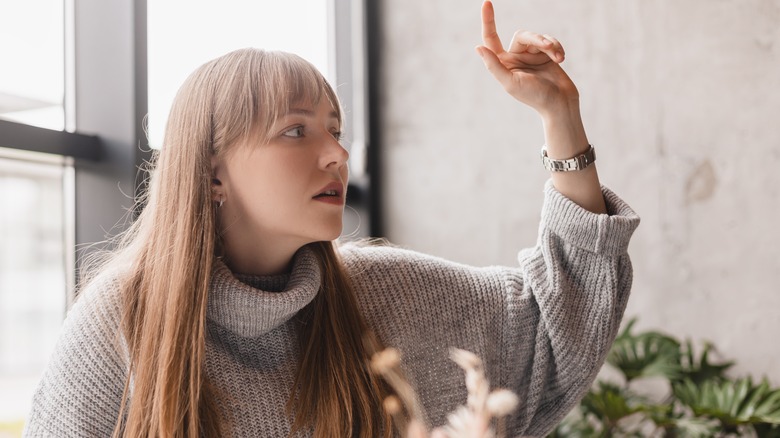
<point>393,407</point>
<point>416,430</point>
<point>470,421</point>
<point>407,394</point>
<point>387,363</point>
<point>500,427</point>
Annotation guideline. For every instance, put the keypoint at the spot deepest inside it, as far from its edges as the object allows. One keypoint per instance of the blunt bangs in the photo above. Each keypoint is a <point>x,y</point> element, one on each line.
<point>286,81</point>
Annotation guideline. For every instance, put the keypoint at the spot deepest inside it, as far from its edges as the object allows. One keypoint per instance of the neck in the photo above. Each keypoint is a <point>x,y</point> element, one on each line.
<point>247,256</point>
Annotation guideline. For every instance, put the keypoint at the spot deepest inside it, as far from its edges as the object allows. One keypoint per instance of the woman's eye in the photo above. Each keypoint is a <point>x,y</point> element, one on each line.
<point>294,132</point>
<point>338,135</point>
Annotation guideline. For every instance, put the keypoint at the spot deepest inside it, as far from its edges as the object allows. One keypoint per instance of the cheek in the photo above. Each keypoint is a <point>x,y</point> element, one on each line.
<point>251,181</point>
<point>278,177</point>
<point>276,182</point>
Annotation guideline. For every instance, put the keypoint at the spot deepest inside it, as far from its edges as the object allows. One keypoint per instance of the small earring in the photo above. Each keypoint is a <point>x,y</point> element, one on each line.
<point>221,201</point>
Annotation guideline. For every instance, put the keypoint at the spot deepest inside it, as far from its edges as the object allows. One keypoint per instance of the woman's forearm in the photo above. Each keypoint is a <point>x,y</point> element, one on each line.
<point>565,138</point>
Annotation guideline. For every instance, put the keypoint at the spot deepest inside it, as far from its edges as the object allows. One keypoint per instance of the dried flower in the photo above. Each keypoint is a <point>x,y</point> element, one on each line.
<point>417,430</point>
<point>392,405</point>
<point>502,402</point>
<point>465,359</point>
<point>470,421</point>
<point>439,433</point>
<point>477,386</point>
<point>385,361</point>
<point>394,408</point>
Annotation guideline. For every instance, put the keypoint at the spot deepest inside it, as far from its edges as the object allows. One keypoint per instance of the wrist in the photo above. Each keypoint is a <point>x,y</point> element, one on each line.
<point>562,109</point>
<point>564,132</point>
<point>564,101</point>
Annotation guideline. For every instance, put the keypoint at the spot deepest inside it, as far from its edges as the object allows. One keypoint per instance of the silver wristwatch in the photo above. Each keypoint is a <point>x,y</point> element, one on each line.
<point>577,163</point>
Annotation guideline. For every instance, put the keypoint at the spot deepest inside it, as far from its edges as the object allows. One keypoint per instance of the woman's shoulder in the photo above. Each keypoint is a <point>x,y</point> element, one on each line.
<point>103,287</point>
<point>92,327</point>
<point>404,293</point>
<point>98,302</point>
<point>377,259</point>
<point>381,252</point>
<point>87,367</point>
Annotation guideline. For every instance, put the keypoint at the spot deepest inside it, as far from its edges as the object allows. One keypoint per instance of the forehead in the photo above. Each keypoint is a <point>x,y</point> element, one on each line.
<point>324,108</point>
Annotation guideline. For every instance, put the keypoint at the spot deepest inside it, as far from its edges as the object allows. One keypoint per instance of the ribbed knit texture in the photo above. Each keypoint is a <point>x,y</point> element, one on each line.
<point>543,328</point>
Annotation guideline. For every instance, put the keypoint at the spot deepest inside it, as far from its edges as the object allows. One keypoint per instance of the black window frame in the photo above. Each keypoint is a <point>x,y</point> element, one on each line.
<point>106,83</point>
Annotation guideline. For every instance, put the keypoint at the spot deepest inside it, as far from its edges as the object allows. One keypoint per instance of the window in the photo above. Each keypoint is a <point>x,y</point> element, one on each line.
<point>76,184</point>
<point>35,275</point>
<point>184,34</point>
<point>32,80</point>
<point>36,220</point>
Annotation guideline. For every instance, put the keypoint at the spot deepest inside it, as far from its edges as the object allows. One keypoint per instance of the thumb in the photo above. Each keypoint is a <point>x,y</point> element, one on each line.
<point>494,65</point>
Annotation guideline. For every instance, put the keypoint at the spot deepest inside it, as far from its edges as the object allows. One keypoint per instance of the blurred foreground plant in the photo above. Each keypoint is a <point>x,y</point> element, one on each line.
<point>473,420</point>
<point>701,401</point>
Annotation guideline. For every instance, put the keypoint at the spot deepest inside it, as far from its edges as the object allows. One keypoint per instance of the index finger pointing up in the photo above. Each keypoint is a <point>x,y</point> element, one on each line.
<point>489,34</point>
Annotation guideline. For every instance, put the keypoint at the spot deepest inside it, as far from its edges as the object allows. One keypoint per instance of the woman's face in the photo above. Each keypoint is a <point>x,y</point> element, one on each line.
<point>287,192</point>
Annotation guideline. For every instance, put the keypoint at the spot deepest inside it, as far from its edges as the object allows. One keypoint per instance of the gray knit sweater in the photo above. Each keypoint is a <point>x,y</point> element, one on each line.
<point>543,328</point>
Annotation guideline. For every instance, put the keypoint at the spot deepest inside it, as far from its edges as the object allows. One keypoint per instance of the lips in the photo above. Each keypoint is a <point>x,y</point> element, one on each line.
<point>331,192</point>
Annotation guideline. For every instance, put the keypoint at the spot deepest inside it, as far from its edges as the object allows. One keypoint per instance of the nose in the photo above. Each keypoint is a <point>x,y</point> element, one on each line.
<point>333,154</point>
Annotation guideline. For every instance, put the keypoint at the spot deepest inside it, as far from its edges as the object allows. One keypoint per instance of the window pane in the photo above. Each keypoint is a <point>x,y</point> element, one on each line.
<point>184,34</point>
<point>33,277</point>
<point>32,80</point>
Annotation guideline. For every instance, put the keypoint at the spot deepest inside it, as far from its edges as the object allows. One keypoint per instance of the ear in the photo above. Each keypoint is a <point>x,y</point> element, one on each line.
<point>217,190</point>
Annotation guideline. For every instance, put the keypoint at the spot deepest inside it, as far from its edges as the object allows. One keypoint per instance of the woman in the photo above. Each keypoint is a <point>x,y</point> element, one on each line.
<point>227,310</point>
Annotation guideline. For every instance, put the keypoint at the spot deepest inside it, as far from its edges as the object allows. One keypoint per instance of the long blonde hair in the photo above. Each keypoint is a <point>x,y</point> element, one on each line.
<point>166,258</point>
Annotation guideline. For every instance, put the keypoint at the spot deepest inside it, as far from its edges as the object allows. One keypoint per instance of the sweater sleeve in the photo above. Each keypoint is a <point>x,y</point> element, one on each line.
<point>543,327</point>
<point>571,296</point>
<point>80,392</point>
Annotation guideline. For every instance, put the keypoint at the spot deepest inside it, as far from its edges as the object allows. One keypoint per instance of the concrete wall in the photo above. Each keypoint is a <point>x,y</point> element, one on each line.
<point>681,101</point>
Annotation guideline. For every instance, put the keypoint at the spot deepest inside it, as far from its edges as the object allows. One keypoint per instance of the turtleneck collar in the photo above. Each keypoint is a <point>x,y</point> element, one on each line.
<point>251,306</point>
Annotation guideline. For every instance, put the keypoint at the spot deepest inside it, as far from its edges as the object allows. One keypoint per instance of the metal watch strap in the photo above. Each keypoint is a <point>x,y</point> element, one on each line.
<point>577,163</point>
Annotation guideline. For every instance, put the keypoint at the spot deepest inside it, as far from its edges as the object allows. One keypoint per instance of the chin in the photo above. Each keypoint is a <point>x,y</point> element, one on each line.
<point>331,233</point>
<point>334,235</point>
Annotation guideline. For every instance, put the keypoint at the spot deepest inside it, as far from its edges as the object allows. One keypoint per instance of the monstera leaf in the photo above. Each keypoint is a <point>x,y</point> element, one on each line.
<point>701,370</point>
<point>610,403</point>
<point>646,354</point>
<point>600,413</point>
<point>575,428</point>
<point>693,428</point>
<point>733,403</point>
<point>703,402</point>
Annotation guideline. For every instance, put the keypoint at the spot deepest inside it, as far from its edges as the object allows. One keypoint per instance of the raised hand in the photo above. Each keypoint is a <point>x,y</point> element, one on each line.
<point>530,72</point>
<point>529,69</point>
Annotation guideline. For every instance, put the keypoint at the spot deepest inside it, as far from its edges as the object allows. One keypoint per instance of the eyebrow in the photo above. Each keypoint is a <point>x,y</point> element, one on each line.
<point>310,113</point>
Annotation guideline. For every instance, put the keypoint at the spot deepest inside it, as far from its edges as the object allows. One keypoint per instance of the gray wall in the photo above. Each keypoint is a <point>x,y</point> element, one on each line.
<point>681,101</point>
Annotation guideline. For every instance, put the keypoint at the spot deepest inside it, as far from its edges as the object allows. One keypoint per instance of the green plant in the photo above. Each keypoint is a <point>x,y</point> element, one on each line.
<point>702,401</point>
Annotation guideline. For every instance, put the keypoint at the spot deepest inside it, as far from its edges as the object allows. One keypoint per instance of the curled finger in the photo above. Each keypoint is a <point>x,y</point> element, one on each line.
<point>526,41</point>
<point>558,46</point>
